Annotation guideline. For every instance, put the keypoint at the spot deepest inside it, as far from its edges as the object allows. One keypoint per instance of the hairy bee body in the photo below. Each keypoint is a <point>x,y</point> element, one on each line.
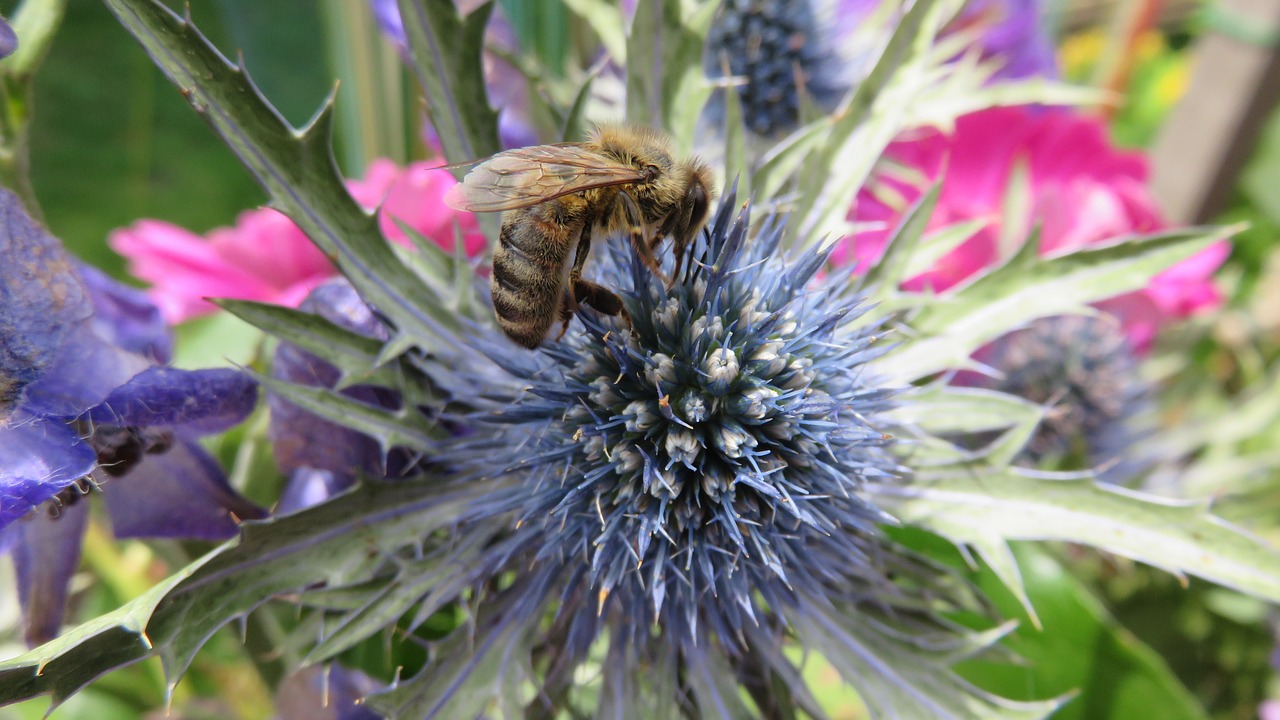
<point>530,266</point>
<point>556,198</point>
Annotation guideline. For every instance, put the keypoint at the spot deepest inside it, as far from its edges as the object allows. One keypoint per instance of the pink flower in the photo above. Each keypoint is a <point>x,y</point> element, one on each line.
<point>1083,192</point>
<point>266,257</point>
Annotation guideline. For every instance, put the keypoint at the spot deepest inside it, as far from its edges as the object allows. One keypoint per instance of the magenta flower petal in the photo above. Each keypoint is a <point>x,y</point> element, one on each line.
<point>267,258</point>
<point>416,198</point>
<point>1084,192</point>
<point>183,269</point>
<point>46,553</point>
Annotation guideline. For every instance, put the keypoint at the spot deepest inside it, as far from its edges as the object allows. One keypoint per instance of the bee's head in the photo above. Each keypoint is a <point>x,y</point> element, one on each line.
<point>691,211</point>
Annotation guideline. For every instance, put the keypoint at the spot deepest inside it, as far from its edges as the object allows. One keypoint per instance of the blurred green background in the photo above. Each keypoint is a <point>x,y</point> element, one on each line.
<point>113,141</point>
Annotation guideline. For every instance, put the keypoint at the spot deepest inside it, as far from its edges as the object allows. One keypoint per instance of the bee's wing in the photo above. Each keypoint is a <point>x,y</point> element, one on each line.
<point>531,175</point>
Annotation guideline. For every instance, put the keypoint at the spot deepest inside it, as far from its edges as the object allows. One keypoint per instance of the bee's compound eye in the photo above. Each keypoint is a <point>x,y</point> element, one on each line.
<point>698,202</point>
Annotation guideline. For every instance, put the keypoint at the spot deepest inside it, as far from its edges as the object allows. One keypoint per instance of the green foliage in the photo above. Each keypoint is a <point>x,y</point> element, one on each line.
<point>367,560</point>
<point>175,618</point>
<point>1073,645</point>
<point>986,511</point>
<point>1026,287</point>
<point>446,56</point>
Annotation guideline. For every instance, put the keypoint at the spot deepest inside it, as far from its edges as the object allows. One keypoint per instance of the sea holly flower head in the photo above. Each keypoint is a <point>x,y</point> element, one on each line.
<point>1083,371</point>
<point>1083,192</point>
<point>265,256</point>
<point>778,51</point>
<point>719,445</point>
<point>87,405</point>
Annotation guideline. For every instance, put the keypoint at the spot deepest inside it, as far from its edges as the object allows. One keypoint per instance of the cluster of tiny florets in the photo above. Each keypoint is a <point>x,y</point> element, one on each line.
<point>1085,373</point>
<point>717,446</point>
<point>777,50</point>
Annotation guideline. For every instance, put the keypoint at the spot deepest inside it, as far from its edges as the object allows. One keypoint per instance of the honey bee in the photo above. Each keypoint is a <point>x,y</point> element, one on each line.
<point>556,197</point>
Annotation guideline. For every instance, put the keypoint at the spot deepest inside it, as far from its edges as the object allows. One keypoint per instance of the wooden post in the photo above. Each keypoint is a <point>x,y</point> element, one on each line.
<point>1208,136</point>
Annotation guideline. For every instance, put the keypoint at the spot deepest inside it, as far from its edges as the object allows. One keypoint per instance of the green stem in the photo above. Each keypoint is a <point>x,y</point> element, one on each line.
<point>35,22</point>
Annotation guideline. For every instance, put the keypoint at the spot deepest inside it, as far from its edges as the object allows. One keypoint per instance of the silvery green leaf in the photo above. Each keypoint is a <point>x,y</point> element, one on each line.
<point>391,428</point>
<point>935,245</point>
<point>735,144</point>
<point>950,410</point>
<point>353,354</point>
<point>575,126</point>
<point>985,511</point>
<point>446,57</point>
<point>1029,287</point>
<point>174,619</point>
<point>490,670</point>
<point>665,83</point>
<point>605,18</point>
<point>903,243</point>
<point>295,167</point>
<point>365,609</point>
<point>861,130</point>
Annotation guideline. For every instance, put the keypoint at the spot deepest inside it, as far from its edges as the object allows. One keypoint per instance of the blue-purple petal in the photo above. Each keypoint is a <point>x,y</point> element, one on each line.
<point>42,301</point>
<point>1016,33</point>
<point>197,401</point>
<point>8,39</point>
<point>309,486</point>
<point>38,459</point>
<point>45,555</point>
<point>126,317</point>
<point>84,372</point>
<point>338,302</point>
<point>179,494</point>
<point>325,693</point>
<point>387,13</point>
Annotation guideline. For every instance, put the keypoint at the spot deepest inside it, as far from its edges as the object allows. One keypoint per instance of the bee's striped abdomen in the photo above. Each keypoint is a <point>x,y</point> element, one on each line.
<point>528,274</point>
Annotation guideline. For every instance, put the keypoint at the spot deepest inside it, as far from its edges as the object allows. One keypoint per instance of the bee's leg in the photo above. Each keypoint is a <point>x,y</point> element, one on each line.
<point>579,260</point>
<point>568,308</point>
<point>635,229</point>
<point>600,298</point>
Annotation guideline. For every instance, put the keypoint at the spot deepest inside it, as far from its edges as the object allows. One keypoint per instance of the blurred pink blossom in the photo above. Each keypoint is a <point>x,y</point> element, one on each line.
<point>1083,191</point>
<point>266,257</point>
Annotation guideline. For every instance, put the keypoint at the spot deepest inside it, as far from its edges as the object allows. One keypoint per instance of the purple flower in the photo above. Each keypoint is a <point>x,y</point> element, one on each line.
<point>1015,31</point>
<point>8,39</point>
<point>86,404</point>
<point>325,693</point>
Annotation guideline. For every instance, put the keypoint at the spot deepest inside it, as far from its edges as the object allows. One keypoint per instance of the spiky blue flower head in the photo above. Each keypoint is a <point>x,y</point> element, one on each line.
<point>1085,373</point>
<point>781,50</point>
<point>685,486</point>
